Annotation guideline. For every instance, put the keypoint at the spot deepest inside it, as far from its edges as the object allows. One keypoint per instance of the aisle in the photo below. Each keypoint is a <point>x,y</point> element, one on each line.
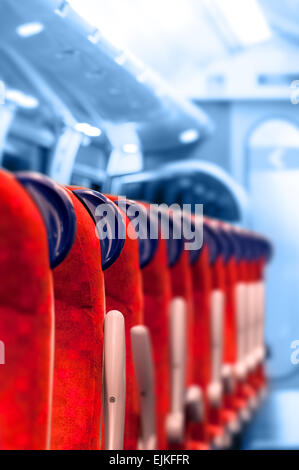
<point>276,424</point>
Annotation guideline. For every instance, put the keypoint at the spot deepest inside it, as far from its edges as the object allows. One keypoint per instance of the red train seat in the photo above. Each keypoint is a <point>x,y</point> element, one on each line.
<point>79,316</point>
<point>157,296</point>
<point>32,209</point>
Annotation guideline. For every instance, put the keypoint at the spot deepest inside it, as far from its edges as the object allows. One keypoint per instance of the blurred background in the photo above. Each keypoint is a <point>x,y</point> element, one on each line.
<point>171,101</point>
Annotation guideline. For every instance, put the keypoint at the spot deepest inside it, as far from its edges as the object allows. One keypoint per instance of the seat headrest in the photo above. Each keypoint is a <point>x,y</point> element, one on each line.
<point>235,243</point>
<point>172,227</point>
<point>193,227</point>
<point>57,212</point>
<point>212,240</point>
<point>168,226</point>
<point>109,223</point>
<point>232,247</point>
<point>266,249</point>
<point>146,228</point>
<point>248,246</point>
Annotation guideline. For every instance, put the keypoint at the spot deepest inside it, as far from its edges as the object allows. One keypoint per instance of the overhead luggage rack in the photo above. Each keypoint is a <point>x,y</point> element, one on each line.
<point>73,75</point>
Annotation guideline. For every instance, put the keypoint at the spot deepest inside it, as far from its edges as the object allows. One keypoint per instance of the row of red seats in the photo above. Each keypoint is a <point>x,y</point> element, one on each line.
<point>203,313</point>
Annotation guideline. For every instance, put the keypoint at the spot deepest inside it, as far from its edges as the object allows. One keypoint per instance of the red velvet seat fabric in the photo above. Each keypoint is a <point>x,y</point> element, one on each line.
<point>231,407</point>
<point>26,321</point>
<point>79,316</point>
<point>157,296</point>
<point>230,323</point>
<point>224,277</point>
<point>215,418</point>
<point>181,286</point>
<point>257,378</point>
<point>230,353</point>
<point>202,284</point>
<point>123,288</point>
<point>244,390</point>
<point>261,378</point>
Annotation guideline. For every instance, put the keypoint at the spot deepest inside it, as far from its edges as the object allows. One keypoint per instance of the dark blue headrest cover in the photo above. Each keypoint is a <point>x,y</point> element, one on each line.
<point>175,246</point>
<point>57,212</point>
<point>190,227</point>
<point>109,222</point>
<point>266,249</point>
<point>231,248</point>
<point>148,244</point>
<point>212,240</point>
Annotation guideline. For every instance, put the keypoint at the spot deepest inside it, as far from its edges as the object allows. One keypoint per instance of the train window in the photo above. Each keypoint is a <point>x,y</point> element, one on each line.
<point>19,155</point>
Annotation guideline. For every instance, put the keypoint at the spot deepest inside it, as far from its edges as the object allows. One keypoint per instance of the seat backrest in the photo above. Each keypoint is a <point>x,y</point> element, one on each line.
<point>264,254</point>
<point>217,271</point>
<point>202,288</point>
<point>181,286</point>
<point>181,290</point>
<point>230,353</point>
<point>79,316</point>
<point>157,295</point>
<point>26,320</point>
<point>123,289</point>
<point>214,392</point>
